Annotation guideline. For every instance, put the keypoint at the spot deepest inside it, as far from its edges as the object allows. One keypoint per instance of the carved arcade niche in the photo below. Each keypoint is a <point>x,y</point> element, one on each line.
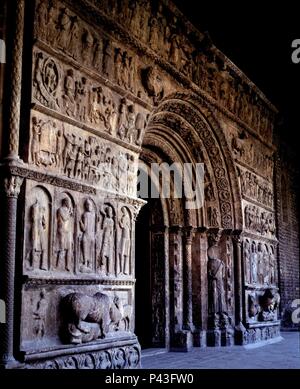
<point>220,289</point>
<point>84,236</point>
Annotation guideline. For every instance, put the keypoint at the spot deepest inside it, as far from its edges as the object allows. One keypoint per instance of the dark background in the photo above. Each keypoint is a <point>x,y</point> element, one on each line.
<point>257,37</point>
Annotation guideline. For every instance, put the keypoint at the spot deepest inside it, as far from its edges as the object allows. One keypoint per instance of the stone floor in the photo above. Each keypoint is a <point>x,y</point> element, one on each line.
<point>281,355</point>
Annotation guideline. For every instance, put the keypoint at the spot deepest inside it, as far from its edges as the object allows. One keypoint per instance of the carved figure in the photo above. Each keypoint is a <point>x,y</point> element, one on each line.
<point>39,236</point>
<point>125,241</point>
<point>65,234</point>
<point>39,315</point>
<point>87,226</point>
<point>107,246</point>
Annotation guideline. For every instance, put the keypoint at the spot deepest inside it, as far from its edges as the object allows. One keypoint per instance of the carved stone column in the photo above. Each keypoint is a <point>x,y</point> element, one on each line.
<point>188,292</point>
<point>12,187</point>
<point>15,79</point>
<point>238,286</point>
<point>176,290</point>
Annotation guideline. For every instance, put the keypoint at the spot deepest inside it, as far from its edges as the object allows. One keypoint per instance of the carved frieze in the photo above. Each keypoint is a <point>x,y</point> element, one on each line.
<point>74,153</point>
<point>174,40</point>
<point>74,315</point>
<point>259,221</point>
<point>250,152</point>
<point>69,233</point>
<point>68,91</point>
<point>260,264</point>
<point>255,188</point>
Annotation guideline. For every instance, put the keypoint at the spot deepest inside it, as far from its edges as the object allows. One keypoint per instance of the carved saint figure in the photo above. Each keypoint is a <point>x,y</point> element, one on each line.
<point>87,226</point>
<point>253,263</point>
<point>125,242</point>
<point>107,246</point>
<point>247,261</point>
<point>260,263</point>
<point>272,265</point>
<point>216,277</point>
<point>39,315</point>
<point>35,141</point>
<point>65,234</point>
<point>38,236</point>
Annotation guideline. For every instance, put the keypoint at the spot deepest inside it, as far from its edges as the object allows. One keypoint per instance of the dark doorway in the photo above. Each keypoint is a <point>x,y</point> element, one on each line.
<point>150,276</point>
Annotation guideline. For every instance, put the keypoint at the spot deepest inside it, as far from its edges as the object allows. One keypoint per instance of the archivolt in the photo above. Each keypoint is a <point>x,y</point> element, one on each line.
<point>183,128</point>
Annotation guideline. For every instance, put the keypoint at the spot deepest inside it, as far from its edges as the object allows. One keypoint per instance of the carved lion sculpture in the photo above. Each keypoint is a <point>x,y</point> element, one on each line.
<point>81,310</point>
<point>269,303</point>
<point>92,317</point>
<point>121,314</point>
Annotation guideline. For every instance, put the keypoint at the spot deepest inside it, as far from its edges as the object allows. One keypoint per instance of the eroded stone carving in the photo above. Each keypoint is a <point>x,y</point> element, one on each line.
<point>90,317</point>
<point>269,303</point>
<point>259,221</point>
<point>255,188</point>
<point>65,149</point>
<point>65,235</point>
<point>87,226</point>
<point>66,90</point>
<point>39,315</point>
<point>216,279</point>
<point>107,258</point>
<point>125,242</point>
<point>38,230</point>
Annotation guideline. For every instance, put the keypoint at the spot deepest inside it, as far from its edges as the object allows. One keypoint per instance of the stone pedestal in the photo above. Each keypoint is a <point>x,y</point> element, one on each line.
<point>182,341</point>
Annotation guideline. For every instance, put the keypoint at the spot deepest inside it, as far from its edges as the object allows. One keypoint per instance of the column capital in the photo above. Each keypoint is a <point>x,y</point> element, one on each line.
<point>12,186</point>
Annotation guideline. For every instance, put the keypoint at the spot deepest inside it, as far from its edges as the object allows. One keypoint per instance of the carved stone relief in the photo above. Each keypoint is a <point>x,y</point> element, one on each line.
<point>68,91</point>
<point>262,306</point>
<point>259,221</point>
<point>167,34</point>
<point>260,267</point>
<point>255,188</point>
<point>75,315</point>
<point>87,234</point>
<point>65,149</point>
<point>38,220</point>
<point>251,152</point>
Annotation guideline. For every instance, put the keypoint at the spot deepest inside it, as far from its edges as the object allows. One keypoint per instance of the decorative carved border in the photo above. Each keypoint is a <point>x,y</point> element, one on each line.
<point>100,18</point>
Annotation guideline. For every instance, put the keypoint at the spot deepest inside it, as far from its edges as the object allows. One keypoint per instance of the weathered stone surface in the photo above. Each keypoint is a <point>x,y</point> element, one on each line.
<point>114,86</point>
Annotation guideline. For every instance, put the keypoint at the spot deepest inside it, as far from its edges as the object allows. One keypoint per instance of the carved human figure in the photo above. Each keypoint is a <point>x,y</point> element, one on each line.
<point>73,45</point>
<point>260,263</point>
<point>51,30</point>
<point>247,261</point>
<point>87,46</point>
<point>131,130</point>
<point>125,242</point>
<point>65,234</point>
<point>42,18</point>
<point>35,140</point>
<point>272,265</point>
<point>87,226</point>
<point>107,245</point>
<point>59,149</point>
<point>122,119</point>
<point>153,32</point>
<point>213,216</point>
<point>69,93</point>
<point>64,28</point>
<point>216,280</point>
<point>39,236</point>
<point>266,261</point>
<point>122,173</point>
<point>253,263</point>
<point>107,64</point>
<point>130,174</point>
<point>39,315</point>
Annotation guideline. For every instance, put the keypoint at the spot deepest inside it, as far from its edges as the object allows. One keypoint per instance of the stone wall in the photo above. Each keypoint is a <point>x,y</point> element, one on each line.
<point>287,184</point>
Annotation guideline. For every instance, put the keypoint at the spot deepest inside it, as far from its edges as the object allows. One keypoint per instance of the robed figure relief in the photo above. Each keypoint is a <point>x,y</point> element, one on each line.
<point>216,277</point>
